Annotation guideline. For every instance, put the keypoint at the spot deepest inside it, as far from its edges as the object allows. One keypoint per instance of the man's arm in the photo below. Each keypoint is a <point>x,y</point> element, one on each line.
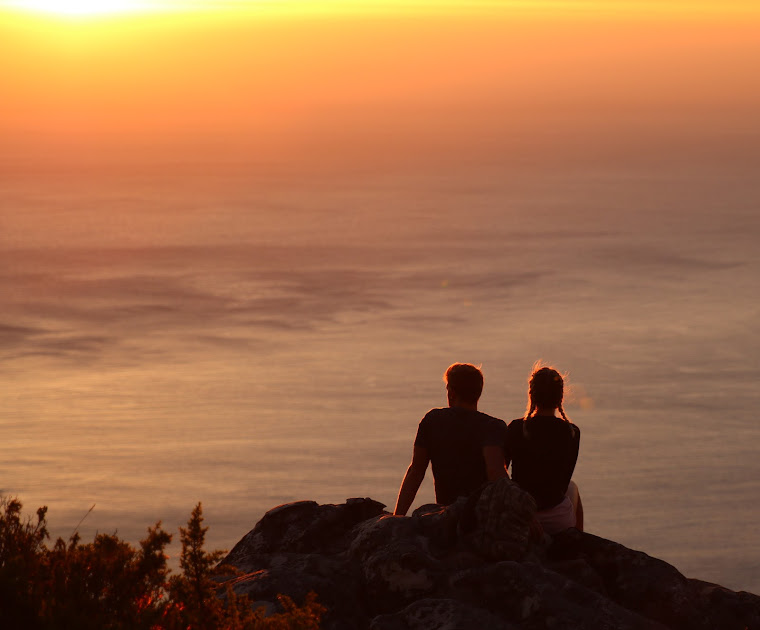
<point>412,480</point>
<point>495,465</point>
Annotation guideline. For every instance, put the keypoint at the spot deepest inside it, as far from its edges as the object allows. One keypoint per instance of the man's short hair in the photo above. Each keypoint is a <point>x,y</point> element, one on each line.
<point>465,380</point>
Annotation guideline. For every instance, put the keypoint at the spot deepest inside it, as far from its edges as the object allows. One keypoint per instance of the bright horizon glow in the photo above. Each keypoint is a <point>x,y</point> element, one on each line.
<point>556,8</point>
<point>81,7</point>
<point>292,77</point>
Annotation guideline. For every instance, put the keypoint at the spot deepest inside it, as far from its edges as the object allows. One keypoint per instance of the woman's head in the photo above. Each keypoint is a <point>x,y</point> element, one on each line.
<point>546,389</point>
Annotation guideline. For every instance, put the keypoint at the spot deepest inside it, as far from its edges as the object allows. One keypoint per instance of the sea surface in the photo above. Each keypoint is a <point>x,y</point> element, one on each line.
<point>245,340</point>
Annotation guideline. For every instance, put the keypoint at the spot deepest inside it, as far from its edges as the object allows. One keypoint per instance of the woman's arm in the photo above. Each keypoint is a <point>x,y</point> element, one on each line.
<point>495,465</point>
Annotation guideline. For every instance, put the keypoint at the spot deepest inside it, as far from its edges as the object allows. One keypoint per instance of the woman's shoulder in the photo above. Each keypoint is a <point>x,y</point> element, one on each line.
<point>572,429</point>
<point>515,429</point>
<point>575,431</point>
<point>547,425</point>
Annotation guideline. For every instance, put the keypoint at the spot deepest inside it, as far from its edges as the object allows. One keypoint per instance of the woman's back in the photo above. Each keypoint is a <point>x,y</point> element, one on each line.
<point>543,451</point>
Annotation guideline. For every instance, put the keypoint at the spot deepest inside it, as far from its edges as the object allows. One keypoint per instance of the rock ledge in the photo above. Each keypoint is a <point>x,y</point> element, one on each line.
<point>471,565</point>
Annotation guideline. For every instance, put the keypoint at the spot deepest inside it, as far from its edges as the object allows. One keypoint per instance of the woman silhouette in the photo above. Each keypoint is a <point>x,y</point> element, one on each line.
<point>543,450</point>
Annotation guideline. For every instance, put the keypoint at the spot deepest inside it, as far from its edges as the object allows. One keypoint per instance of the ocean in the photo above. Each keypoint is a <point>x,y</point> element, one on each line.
<point>248,338</point>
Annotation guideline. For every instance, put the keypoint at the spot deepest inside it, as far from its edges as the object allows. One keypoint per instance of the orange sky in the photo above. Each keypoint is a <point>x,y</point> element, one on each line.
<point>432,74</point>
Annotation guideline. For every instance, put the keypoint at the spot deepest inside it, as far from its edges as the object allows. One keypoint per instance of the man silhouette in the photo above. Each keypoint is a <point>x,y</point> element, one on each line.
<point>463,444</point>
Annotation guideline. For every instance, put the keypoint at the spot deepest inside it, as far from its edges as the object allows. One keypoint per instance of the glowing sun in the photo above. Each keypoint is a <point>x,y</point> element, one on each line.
<point>82,7</point>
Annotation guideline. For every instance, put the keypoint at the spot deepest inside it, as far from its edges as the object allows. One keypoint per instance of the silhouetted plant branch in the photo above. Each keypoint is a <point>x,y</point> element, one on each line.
<point>109,584</point>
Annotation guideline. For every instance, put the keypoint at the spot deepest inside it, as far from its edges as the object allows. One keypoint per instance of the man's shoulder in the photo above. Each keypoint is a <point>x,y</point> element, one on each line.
<point>451,412</point>
<point>438,412</point>
<point>493,420</point>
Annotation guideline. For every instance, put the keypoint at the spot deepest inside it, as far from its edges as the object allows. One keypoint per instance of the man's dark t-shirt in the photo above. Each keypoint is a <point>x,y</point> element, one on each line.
<point>543,451</point>
<point>454,438</point>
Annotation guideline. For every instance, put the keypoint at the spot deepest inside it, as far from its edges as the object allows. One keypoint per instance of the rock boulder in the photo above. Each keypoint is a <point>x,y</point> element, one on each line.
<point>470,566</point>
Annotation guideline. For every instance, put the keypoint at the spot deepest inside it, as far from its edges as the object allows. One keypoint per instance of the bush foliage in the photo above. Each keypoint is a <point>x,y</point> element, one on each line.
<point>109,584</point>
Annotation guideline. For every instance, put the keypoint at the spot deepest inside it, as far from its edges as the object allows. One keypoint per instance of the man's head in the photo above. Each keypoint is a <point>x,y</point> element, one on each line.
<point>464,383</point>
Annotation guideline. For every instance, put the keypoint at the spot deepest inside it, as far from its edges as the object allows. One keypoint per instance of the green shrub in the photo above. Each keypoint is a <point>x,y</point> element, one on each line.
<point>109,584</point>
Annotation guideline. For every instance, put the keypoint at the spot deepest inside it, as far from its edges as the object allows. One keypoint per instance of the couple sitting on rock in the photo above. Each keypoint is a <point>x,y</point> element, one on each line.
<point>468,448</point>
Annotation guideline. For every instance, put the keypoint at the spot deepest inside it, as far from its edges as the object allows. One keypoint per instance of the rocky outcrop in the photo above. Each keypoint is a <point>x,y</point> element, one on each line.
<point>471,565</point>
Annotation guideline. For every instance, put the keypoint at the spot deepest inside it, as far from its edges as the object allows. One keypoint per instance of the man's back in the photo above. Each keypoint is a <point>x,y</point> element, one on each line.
<point>454,438</point>
<point>464,445</point>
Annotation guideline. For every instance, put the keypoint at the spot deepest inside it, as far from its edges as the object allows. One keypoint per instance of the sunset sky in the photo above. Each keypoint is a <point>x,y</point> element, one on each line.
<point>372,81</point>
<point>352,78</point>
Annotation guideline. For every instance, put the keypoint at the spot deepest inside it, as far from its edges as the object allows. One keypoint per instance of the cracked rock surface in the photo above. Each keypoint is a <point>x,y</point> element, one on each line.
<point>470,566</point>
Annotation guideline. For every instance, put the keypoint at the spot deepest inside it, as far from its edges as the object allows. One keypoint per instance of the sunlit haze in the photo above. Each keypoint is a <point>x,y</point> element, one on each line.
<point>344,85</point>
<point>241,241</point>
<point>79,7</point>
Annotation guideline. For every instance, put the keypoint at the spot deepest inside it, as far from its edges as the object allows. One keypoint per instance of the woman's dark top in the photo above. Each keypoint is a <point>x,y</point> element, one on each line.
<point>543,451</point>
